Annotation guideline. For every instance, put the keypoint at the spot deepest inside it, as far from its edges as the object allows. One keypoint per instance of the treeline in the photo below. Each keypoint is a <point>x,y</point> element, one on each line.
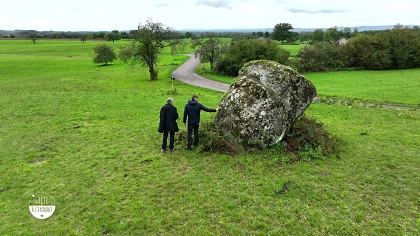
<point>113,35</point>
<point>283,34</point>
<point>398,48</point>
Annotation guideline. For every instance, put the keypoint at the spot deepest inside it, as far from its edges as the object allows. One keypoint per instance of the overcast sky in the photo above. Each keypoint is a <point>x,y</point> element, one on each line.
<point>96,15</point>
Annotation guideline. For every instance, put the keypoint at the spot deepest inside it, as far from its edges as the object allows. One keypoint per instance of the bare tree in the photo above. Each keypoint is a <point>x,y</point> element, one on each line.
<point>209,49</point>
<point>149,41</point>
<point>33,37</point>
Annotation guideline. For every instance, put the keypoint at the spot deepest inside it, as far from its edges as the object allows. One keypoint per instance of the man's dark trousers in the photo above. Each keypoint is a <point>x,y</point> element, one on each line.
<point>192,127</point>
<point>171,139</point>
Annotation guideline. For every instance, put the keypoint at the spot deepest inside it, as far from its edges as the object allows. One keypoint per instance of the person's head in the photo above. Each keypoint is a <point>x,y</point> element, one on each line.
<point>194,97</point>
<point>170,101</point>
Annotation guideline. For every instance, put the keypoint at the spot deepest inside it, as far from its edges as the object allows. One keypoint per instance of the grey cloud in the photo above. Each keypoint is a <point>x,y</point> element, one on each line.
<point>306,11</point>
<point>215,4</point>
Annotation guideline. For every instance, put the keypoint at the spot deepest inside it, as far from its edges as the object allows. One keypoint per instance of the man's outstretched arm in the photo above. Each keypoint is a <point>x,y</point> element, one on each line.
<point>208,109</point>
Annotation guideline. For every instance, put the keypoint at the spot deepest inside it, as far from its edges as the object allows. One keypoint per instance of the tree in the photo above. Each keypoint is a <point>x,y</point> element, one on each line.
<point>332,35</point>
<point>305,36</point>
<point>282,31</point>
<point>312,58</point>
<point>104,54</point>
<point>149,41</point>
<point>114,35</point>
<point>398,26</point>
<point>124,35</point>
<point>209,49</point>
<point>260,34</point>
<point>33,35</point>
<point>404,46</point>
<point>347,32</point>
<point>188,35</point>
<point>368,52</point>
<point>33,38</point>
<point>83,38</point>
<point>318,35</point>
<point>246,50</point>
<point>132,34</point>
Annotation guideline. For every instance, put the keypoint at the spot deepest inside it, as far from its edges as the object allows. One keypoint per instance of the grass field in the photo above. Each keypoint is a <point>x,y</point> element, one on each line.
<point>293,49</point>
<point>395,87</point>
<point>87,136</point>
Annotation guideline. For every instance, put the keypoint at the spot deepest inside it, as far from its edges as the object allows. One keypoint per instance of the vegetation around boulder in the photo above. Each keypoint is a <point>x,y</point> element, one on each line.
<point>307,139</point>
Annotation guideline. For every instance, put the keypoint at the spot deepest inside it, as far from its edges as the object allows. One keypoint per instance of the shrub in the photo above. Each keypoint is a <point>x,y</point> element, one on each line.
<point>312,59</point>
<point>368,52</point>
<point>404,46</point>
<point>245,50</point>
<point>211,140</point>
<point>309,138</point>
<point>321,56</point>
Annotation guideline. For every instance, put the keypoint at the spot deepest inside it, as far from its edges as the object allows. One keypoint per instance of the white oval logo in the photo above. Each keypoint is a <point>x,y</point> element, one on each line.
<point>41,205</point>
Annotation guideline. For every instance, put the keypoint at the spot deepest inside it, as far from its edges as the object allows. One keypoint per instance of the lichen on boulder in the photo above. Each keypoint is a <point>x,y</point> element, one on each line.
<point>265,100</point>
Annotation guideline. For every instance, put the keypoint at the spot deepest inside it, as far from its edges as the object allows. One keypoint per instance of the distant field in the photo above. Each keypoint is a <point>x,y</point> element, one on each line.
<point>87,135</point>
<point>390,86</point>
<point>293,49</point>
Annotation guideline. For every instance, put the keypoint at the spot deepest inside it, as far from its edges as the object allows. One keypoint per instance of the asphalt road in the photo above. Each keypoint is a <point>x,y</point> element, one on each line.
<point>186,73</point>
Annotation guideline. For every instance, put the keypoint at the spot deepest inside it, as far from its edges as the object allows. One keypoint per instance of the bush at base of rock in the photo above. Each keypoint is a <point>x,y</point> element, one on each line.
<point>308,139</point>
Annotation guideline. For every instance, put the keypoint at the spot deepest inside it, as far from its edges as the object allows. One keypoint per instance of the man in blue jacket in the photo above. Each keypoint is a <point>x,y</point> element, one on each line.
<point>192,112</point>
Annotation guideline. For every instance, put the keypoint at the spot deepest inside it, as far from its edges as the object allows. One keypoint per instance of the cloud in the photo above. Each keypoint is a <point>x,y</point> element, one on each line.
<point>162,5</point>
<point>215,4</point>
<point>306,11</point>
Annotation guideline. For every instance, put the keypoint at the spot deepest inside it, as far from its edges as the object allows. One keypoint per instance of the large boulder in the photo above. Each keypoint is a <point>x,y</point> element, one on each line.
<point>265,100</point>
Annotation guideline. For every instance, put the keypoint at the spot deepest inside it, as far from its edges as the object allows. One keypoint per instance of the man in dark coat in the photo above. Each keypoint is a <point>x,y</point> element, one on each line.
<point>167,124</point>
<point>192,112</point>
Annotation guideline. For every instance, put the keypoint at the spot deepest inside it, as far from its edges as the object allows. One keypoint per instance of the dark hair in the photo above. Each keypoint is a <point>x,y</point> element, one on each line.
<point>194,97</point>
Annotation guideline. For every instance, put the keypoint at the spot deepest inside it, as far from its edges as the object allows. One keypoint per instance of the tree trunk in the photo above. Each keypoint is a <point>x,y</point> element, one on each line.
<point>152,76</point>
<point>152,73</point>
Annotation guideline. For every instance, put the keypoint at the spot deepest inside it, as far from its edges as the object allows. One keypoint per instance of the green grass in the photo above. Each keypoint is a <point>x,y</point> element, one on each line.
<point>89,138</point>
<point>293,49</point>
<point>399,87</point>
<point>387,86</point>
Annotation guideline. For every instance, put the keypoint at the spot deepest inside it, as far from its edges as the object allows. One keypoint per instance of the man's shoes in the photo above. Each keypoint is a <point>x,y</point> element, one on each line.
<point>188,149</point>
<point>171,150</point>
